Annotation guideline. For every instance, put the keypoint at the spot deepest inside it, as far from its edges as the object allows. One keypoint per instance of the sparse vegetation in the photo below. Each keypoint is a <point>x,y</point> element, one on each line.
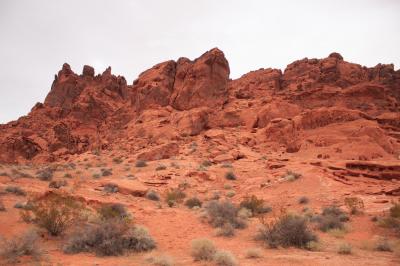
<point>54,212</point>
<point>395,210</point>
<point>230,193</point>
<point>174,195</point>
<point>304,200</point>
<point>291,176</point>
<point>230,176</point>
<point>221,213</point>
<point>45,174</point>
<point>113,211</point>
<point>2,207</point>
<point>226,230</point>
<point>193,202</point>
<point>140,163</point>
<point>17,246</point>
<point>15,190</point>
<point>111,188</point>
<point>331,217</point>
<point>57,184</point>
<point>109,238</point>
<point>287,231</point>
<point>160,260</point>
<point>161,167</point>
<point>118,160</point>
<point>203,249</point>
<point>253,253</point>
<point>106,172</point>
<point>152,195</point>
<point>355,205</point>
<point>206,163</point>
<point>226,165</point>
<point>382,244</point>
<point>255,205</point>
<point>224,258</point>
<point>344,249</point>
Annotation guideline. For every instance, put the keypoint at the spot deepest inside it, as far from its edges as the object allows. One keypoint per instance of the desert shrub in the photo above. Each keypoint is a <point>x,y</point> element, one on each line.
<point>109,238</point>
<point>161,167</point>
<point>221,213</point>
<point>113,211</point>
<point>110,188</point>
<point>344,249</point>
<point>57,184</point>
<point>141,163</point>
<point>395,210</point>
<point>336,232</point>
<point>193,202</point>
<point>67,175</point>
<point>206,163</point>
<point>230,193</point>
<point>331,217</point>
<point>17,246</point>
<point>382,244</point>
<point>106,172</point>
<point>287,231</point>
<point>313,246</point>
<point>226,230</point>
<point>226,165</point>
<point>160,261</point>
<point>19,205</point>
<point>253,253</point>
<point>227,186</point>
<point>291,176</point>
<point>15,190</point>
<point>355,205</point>
<point>203,249</point>
<point>45,174</point>
<point>152,195</point>
<point>224,258</point>
<point>54,212</point>
<point>2,207</point>
<point>255,205</point>
<point>118,160</point>
<point>174,195</point>
<point>303,200</point>
<point>230,176</point>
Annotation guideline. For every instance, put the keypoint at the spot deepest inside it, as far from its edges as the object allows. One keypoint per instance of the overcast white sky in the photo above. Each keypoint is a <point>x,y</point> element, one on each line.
<point>37,37</point>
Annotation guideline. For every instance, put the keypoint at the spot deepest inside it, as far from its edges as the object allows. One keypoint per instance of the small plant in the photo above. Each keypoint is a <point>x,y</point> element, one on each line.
<point>14,248</point>
<point>291,176</point>
<point>221,213</point>
<point>227,186</point>
<point>230,176</point>
<point>226,230</point>
<point>118,160</point>
<point>113,211</point>
<point>152,195</point>
<point>193,202</point>
<point>253,253</point>
<point>206,163</point>
<point>140,163</point>
<point>45,174</point>
<point>57,184</point>
<point>355,205</point>
<point>345,249</point>
<point>337,233</point>
<point>109,238</point>
<point>395,210</point>
<point>160,261</point>
<point>224,258</point>
<point>303,200</point>
<point>331,217</point>
<point>255,205</point>
<point>111,188</point>
<point>54,212</point>
<point>161,167</point>
<point>203,249</point>
<point>15,190</point>
<point>174,195</point>
<point>106,172</point>
<point>67,175</point>
<point>230,193</point>
<point>226,165</point>
<point>313,246</point>
<point>287,231</point>
<point>382,244</point>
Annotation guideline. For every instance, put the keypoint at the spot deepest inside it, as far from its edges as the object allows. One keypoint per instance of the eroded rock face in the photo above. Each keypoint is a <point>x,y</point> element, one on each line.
<point>314,106</point>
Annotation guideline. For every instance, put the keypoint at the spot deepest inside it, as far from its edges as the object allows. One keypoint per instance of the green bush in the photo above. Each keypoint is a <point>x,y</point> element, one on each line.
<point>287,231</point>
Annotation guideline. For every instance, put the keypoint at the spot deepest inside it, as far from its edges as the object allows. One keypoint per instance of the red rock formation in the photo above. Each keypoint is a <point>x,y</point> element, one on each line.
<point>316,105</point>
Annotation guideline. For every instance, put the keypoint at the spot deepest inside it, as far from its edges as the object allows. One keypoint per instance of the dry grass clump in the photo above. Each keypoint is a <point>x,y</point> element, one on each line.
<point>224,258</point>
<point>203,249</point>
<point>111,188</point>
<point>109,238</point>
<point>331,217</point>
<point>230,175</point>
<point>152,195</point>
<point>17,246</point>
<point>222,213</point>
<point>193,202</point>
<point>15,190</point>
<point>58,184</point>
<point>344,249</point>
<point>162,260</point>
<point>227,230</point>
<point>106,171</point>
<point>253,253</point>
<point>255,205</point>
<point>113,211</point>
<point>161,167</point>
<point>355,205</point>
<point>287,231</point>
<point>53,212</point>
<point>174,195</point>
<point>382,244</point>
<point>291,176</point>
<point>118,160</point>
<point>140,163</point>
<point>45,174</point>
